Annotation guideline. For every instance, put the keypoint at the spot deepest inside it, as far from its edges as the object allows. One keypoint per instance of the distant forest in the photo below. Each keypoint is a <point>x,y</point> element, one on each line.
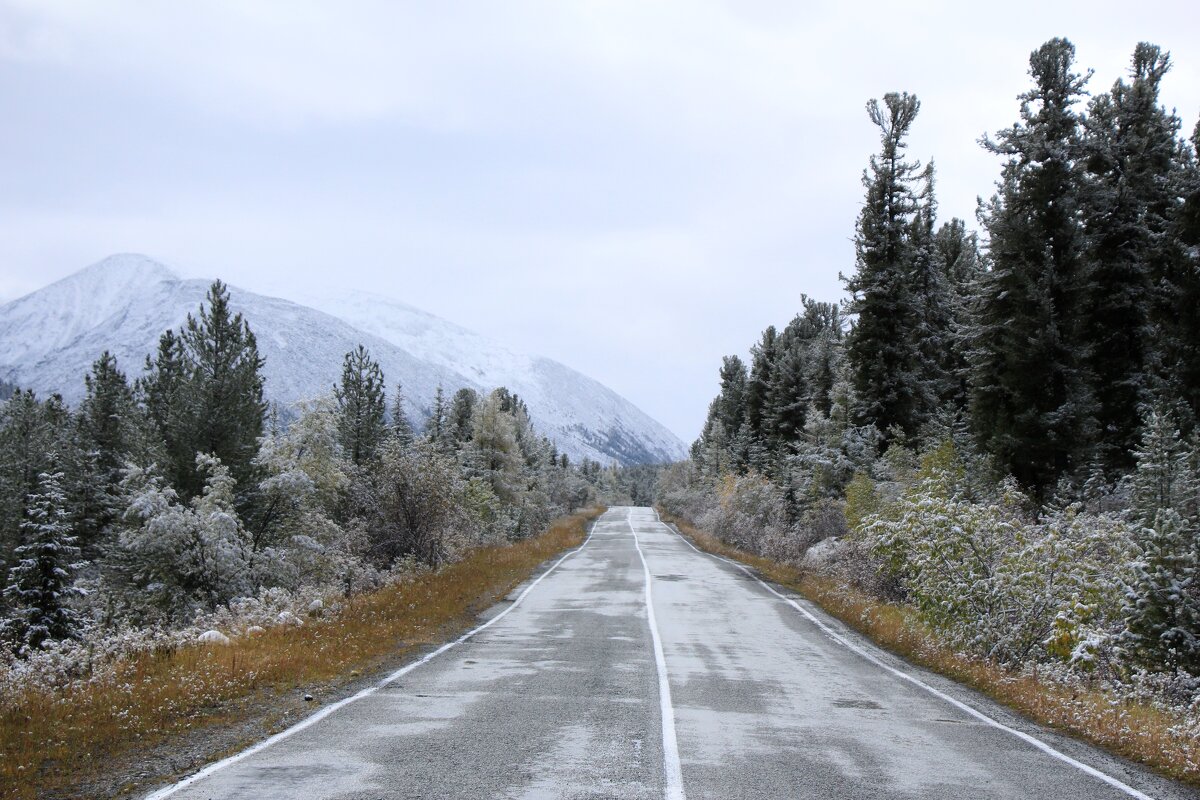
<point>997,428</point>
<point>179,496</point>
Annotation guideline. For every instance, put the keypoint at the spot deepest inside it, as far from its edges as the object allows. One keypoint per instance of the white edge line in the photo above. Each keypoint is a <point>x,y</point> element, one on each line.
<point>672,769</point>
<point>837,637</point>
<point>325,712</point>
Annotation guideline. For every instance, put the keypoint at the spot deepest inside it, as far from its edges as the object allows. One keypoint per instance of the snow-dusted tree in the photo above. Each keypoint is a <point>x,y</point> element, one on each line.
<point>763,358</point>
<point>437,430</point>
<point>1162,613</point>
<point>420,508</point>
<point>293,535</point>
<point>205,392</point>
<point>494,452</point>
<point>934,303</point>
<point>401,429</point>
<point>957,251</point>
<point>175,559</point>
<point>34,439</point>
<point>112,432</point>
<point>360,399</point>
<point>462,411</point>
<point>883,348</point>
<point>1129,191</point>
<point>41,584</point>
<point>1030,397</point>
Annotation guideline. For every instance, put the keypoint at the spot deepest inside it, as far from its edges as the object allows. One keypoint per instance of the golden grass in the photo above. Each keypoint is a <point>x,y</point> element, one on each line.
<point>52,741</point>
<point>1133,730</point>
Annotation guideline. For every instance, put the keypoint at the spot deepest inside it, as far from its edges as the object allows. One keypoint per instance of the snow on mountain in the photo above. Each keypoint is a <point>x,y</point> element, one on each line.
<point>49,339</point>
<point>566,405</point>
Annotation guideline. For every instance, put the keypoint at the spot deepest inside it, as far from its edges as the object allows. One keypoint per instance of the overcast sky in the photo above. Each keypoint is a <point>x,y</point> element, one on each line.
<point>632,188</point>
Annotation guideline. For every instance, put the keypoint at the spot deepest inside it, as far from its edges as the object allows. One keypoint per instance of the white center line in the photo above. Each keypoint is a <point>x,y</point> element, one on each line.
<point>979,715</point>
<point>672,769</point>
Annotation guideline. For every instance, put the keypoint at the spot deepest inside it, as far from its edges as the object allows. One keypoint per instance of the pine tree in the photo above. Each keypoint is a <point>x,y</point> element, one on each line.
<point>934,305</point>
<point>883,350</point>
<point>40,584</point>
<point>731,402</point>
<point>763,357</point>
<point>35,438</point>
<point>112,431</point>
<point>360,399</point>
<point>437,429</point>
<point>204,392</point>
<point>1176,315</point>
<point>1128,192</point>
<point>462,411</point>
<point>1029,396</point>
<point>958,254</point>
<point>1162,611</point>
<point>226,380</point>
<point>401,428</point>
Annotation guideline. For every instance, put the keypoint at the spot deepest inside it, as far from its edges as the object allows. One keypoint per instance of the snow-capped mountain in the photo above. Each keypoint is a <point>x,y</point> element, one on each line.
<point>49,339</point>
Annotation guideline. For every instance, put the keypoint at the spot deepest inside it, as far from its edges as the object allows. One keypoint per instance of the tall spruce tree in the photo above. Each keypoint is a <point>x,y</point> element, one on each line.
<point>1129,191</point>
<point>1030,395</point>
<point>361,406</point>
<point>437,429</point>
<point>1176,315</point>
<point>42,581</point>
<point>462,411</point>
<point>958,254</point>
<point>1162,610</point>
<point>763,357</point>
<point>112,432</point>
<point>884,352</point>
<point>401,428</point>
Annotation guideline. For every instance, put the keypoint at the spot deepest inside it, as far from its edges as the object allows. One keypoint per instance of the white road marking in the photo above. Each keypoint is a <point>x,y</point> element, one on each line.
<point>325,712</point>
<point>837,637</point>
<point>672,769</point>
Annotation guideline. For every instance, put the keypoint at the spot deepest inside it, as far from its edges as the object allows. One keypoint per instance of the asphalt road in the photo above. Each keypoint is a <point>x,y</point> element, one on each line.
<point>638,667</point>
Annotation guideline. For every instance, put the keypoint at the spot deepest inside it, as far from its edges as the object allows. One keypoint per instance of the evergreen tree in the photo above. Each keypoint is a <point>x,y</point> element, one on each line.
<point>40,584</point>
<point>31,432</point>
<point>1129,191</point>
<point>401,428</point>
<point>763,357</point>
<point>934,304</point>
<point>360,399</point>
<point>111,433</point>
<point>462,412</point>
<point>883,350</point>
<point>1029,394</point>
<point>1176,315</point>
<point>1162,611</point>
<point>957,251</point>
<point>437,429</point>
<point>204,392</point>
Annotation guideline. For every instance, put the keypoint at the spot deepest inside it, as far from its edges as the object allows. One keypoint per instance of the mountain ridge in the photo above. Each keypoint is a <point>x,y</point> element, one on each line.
<point>50,337</point>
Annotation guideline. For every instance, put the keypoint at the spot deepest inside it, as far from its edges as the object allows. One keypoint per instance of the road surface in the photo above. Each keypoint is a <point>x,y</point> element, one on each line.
<point>638,667</point>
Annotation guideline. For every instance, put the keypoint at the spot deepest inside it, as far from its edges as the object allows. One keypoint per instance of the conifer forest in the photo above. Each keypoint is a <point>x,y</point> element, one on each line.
<point>999,427</point>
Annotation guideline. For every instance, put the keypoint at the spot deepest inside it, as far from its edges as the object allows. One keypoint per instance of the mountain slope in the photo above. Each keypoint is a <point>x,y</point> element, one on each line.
<point>49,339</point>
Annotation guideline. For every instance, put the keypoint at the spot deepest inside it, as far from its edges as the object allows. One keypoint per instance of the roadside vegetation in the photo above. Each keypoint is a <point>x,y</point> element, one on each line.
<point>175,543</point>
<point>1134,724</point>
<point>989,458</point>
<point>55,737</point>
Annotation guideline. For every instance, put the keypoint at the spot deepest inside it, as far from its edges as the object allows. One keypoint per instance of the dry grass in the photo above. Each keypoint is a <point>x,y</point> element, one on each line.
<point>1135,731</point>
<point>50,742</point>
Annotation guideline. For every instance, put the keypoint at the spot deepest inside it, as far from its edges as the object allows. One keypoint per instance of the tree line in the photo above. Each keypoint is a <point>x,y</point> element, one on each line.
<point>183,491</point>
<point>983,395</point>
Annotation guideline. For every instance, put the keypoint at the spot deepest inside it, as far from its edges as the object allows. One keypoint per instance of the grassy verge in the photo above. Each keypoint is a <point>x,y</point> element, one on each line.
<point>53,741</point>
<point>1133,730</point>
